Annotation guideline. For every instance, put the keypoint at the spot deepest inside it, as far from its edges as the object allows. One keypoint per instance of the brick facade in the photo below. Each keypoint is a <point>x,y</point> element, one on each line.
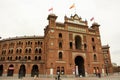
<point>69,48</point>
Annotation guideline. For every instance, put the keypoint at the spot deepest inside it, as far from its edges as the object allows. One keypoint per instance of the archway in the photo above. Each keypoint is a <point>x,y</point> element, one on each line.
<point>22,71</point>
<point>34,71</point>
<point>80,70</point>
<point>1,70</point>
<point>10,70</point>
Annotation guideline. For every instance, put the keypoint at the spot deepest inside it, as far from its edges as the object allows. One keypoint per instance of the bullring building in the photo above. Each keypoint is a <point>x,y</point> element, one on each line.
<point>69,48</point>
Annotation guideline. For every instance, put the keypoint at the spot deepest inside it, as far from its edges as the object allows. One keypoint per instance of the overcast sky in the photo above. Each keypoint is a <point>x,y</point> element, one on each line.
<point>29,17</point>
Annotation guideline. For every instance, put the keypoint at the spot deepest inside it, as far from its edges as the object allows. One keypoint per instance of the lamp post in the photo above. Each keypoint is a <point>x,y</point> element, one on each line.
<point>106,64</point>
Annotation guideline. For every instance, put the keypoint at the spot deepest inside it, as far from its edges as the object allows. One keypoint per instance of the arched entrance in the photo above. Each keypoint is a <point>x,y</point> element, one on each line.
<point>79,69</point>
<point>10,70</point>
<point>22,71</point>
<point>34,71</point>
<point>1,70</point>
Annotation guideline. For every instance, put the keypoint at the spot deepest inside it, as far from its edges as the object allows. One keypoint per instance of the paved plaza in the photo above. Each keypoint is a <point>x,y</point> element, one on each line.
<point>110,77</point>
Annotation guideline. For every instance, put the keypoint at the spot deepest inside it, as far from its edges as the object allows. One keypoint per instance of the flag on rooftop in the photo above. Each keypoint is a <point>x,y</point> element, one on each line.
<point>92,19</point>
<point>72,6</point>
<point>51,9</point>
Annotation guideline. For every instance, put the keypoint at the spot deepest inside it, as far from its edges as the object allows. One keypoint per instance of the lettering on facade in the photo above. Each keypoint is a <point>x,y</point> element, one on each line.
<point>75,29</point>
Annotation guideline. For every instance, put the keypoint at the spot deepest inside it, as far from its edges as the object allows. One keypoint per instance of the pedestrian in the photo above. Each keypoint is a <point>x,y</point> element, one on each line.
<point>58,76</point>
<point>99,75</point>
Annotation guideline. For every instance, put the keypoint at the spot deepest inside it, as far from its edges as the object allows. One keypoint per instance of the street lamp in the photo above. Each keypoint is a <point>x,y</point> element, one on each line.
<point>106,64</point>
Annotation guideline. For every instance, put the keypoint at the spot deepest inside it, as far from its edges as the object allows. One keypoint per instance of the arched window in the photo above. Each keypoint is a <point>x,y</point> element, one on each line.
<point>31,43</point>
<point>35,57</point>
<point>78,43</point>
<point>93,40</point>
<point>11,51</point>
<point>36,50</point>
<point>85,46</point>
<point>58,70</point>
<point>39,58</point>
<point>20,50</point>
<point>17,51</point>
<point>28,42</point>
<point>30,50</point>
<point>25,57</point>
<point>16,58</point>
<point>29,57</point>
<point>71,45</point>
<point>3,51</point>
<point>26,50</point>
<point>38,42</point>
<point>40,50</point>
<point>62,70</point>
<point>60,35</point>
<point>19,57</point>
<point>60,55</point>
<point>8,58</point>
<point>94,49</point>
<point>41,43</point>
<point>60,44</point>
<point>95,57</point>
<point>35,43</point>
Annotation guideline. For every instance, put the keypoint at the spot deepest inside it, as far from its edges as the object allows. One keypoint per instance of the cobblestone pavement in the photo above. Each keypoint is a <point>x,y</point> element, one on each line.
<point>111,77</point>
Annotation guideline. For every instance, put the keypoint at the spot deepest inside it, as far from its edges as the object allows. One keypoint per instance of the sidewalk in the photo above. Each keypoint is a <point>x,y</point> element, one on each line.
<point>110,77</point>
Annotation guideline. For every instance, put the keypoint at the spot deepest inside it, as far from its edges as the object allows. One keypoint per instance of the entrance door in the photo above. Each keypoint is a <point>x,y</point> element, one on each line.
<point>10,70</point>
<point>1,70</point>
<point>34,71</point>
<point>79,62</point>
<point>22,71</point>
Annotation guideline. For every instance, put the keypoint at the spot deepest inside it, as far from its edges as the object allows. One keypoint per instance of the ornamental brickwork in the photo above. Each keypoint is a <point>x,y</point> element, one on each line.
<point>69,48</point>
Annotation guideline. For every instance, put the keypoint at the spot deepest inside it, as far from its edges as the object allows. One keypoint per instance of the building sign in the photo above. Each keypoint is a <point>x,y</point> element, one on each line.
<point>75,29</point>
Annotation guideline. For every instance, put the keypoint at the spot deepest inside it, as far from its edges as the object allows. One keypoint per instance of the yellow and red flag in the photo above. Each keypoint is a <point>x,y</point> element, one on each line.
<point>72,6</point>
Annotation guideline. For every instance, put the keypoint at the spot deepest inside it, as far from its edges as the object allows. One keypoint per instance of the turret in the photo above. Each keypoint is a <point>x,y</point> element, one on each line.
<point>52,19</point>
<point>95,26</point>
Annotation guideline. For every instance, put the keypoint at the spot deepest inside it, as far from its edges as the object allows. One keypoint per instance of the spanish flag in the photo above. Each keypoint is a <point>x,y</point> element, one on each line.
<point>92,19</point>
<point>51,9</point>
<point>72,6</point>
